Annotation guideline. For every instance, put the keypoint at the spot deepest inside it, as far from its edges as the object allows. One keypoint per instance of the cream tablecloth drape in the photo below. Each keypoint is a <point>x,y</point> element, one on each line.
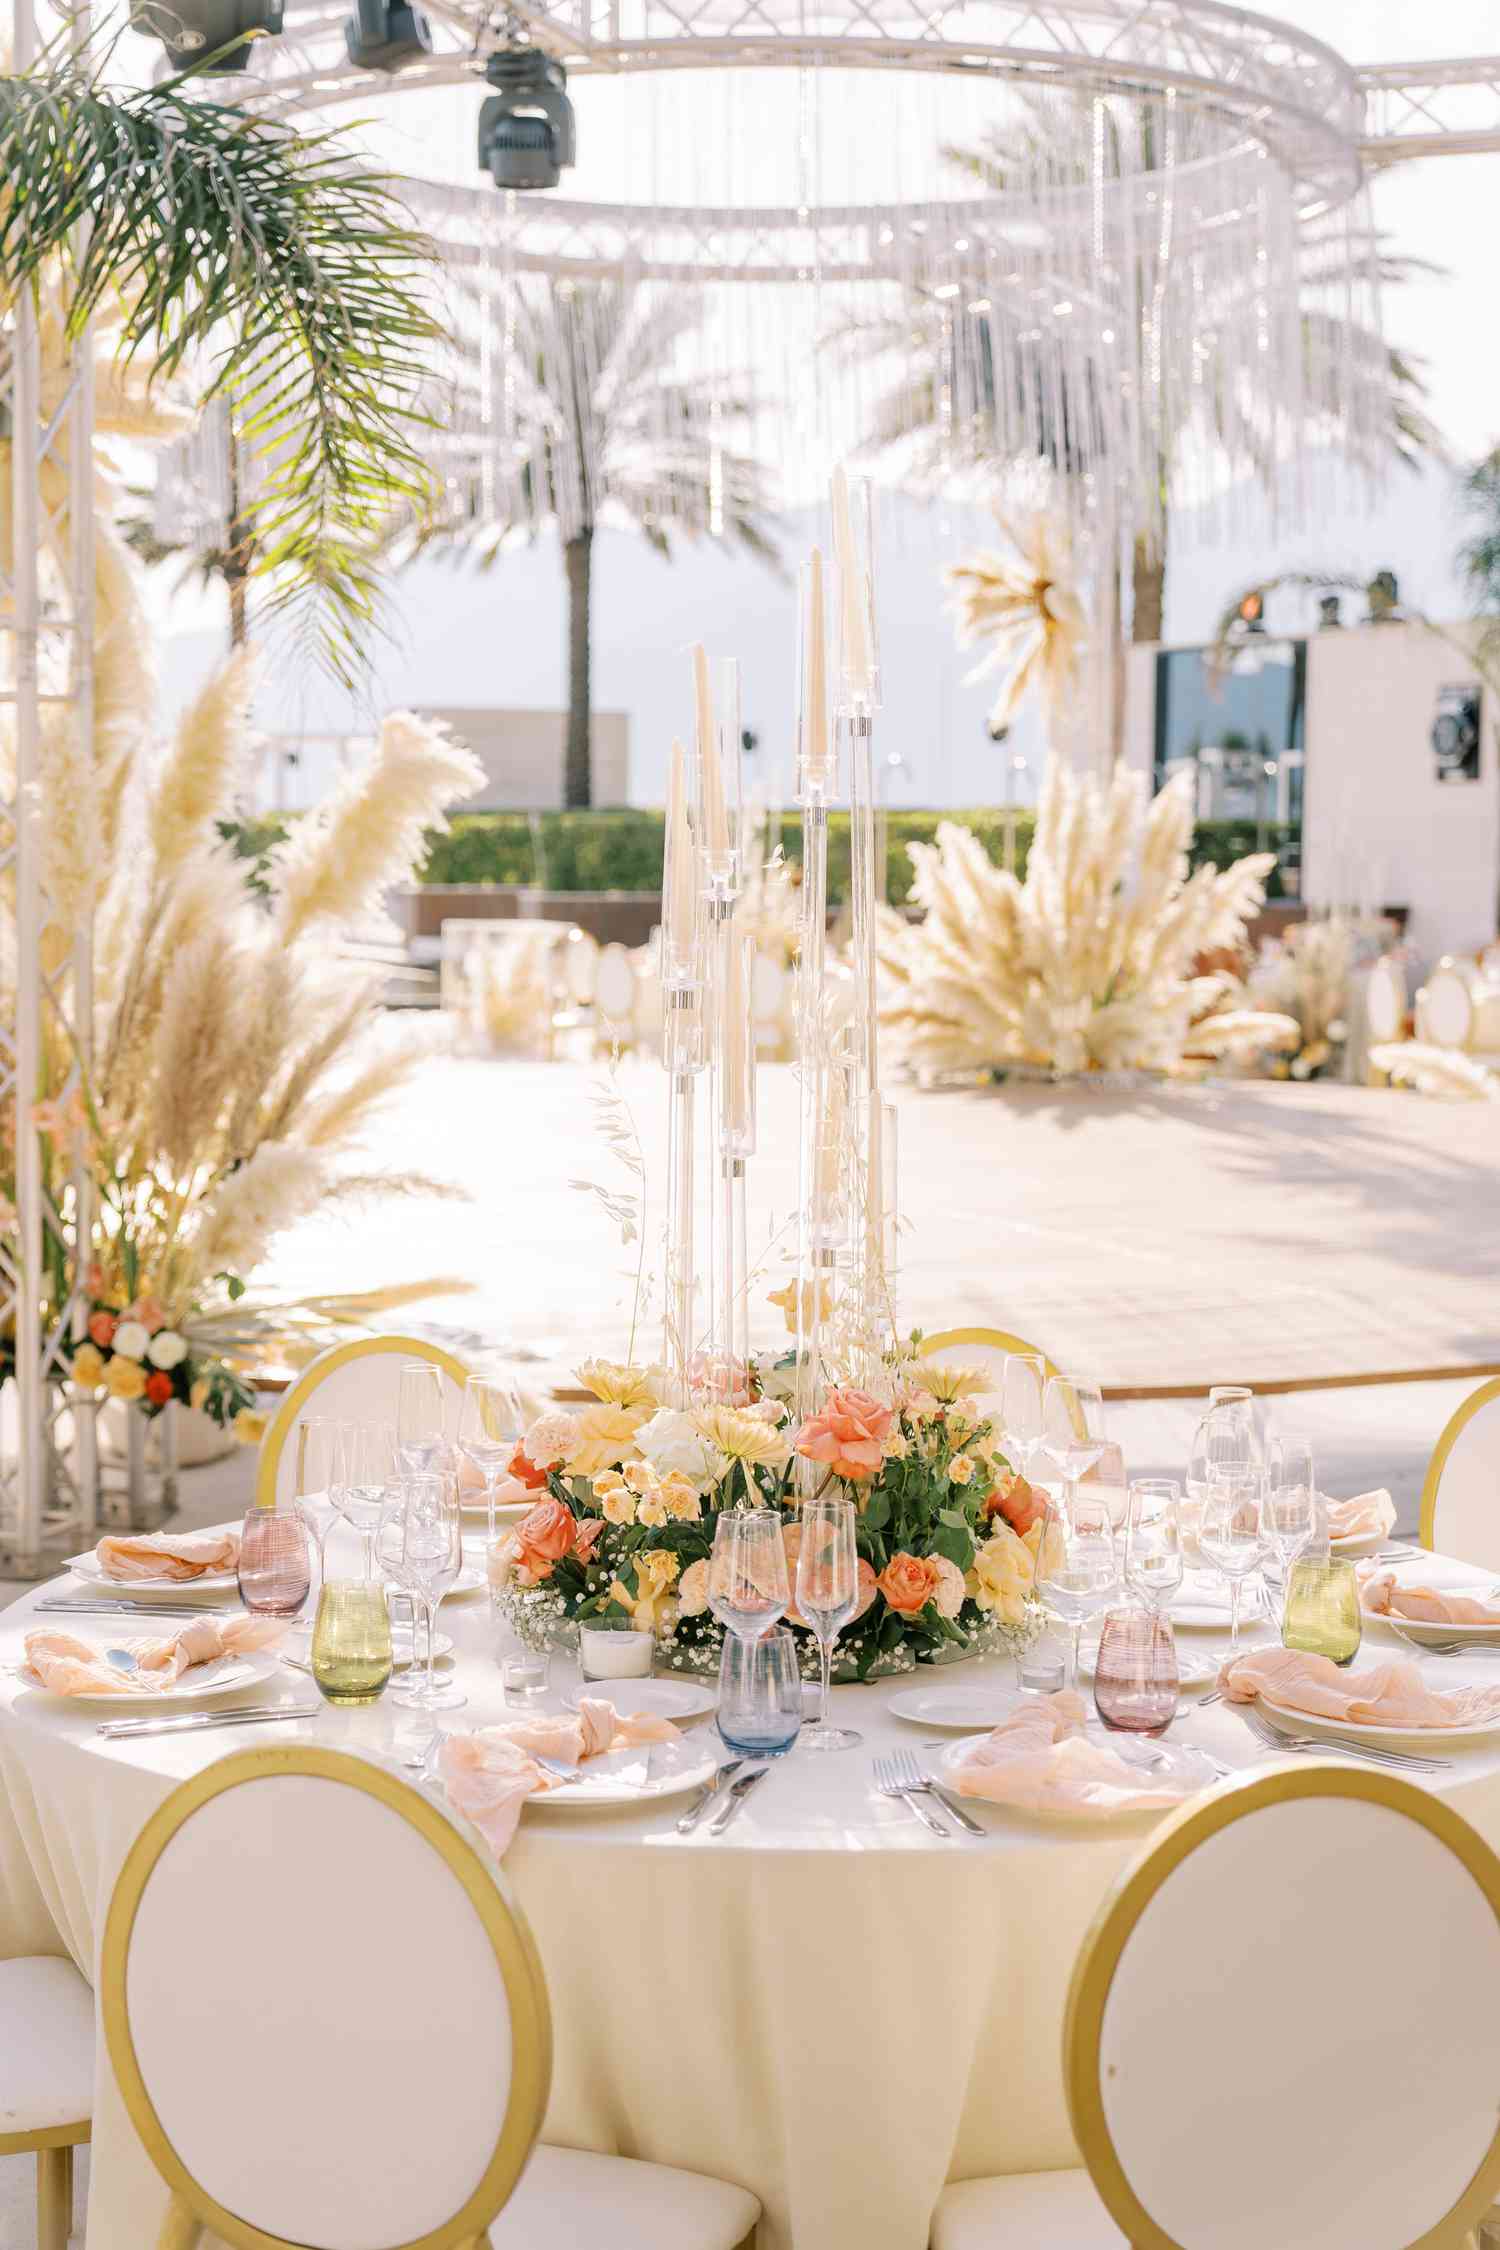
<point>828,2005</point>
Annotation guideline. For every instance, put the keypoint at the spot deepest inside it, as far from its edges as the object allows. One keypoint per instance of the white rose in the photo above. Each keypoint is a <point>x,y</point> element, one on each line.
<point>551,1437</point>
<point>131,1339</point>
<point>777,1376</point>
<point>166,1349</point>
<point>675,1446</point>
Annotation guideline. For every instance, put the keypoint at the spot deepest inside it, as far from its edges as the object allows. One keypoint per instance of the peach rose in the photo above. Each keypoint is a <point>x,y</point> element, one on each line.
<point>849,1435</point>
<point>1020,1503</point>
<point>961,1469</point>
<point>791,1540</point>
<point>948,1594</point>
<point>543,1536</point>
<point>692,1590</point>
<point>909,1583</point>
<point>102,1329</point>
<point>148,1312</point>
<point>587,1537</point>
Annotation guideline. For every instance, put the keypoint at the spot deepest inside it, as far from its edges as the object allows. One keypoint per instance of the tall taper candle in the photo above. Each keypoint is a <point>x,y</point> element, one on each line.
<point>857,656</point>
<point>716,842</point>
<point>815,749</point>
<point>680,905</point>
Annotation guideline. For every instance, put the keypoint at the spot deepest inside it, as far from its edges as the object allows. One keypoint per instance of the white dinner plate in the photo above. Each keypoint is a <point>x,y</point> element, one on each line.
<point>964,1708</point>
<point>1294,1721</point>
<point>88,1568</point>
<point>664,1699</point>
<point>296,1649</point>
<point>1367,1543</point>
<point>507,1512</point>
<point>199,1683</point>
<point>641,1776</point>
<point>1177,1762</point>
<point>1193,1672</point>
<point>467,1582</point>
<point>1203,1604</point>
<point>1424,1629</point>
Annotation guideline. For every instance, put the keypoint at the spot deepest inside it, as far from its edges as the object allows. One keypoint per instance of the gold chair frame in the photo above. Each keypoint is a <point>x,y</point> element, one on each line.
<point>308,1383</point>
<point>1453,1429</point>
<point>54,2146</point>
<point>1099,1958</point>
<point>192,2207</point>
<point>999,1339</point>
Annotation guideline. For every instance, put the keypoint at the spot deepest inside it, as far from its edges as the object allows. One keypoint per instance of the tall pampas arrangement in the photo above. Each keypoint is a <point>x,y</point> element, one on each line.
<point>1088,964</point>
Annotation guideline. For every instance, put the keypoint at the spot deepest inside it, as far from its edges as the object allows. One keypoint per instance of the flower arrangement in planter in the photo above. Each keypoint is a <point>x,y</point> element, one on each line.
<point>132,1355</point>
<point>626,1493</point>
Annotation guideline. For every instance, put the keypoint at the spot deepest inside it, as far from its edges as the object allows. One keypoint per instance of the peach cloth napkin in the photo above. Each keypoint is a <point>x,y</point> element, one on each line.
<point>64,1665</point>
<point>489,1775</point>
<point>1392,1694</point>
<point>177,1555</point>
<point>1040,1759</point>
<point>1384,1595</point>
<point>1371,1515</point>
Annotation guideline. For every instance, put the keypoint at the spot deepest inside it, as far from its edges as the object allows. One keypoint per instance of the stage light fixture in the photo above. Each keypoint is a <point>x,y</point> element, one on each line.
<point>526,129</point>
<point>384,34</point>
<point>222,31</point>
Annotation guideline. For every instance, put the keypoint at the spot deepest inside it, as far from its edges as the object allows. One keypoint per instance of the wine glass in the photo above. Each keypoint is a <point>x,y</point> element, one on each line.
<point>1023,1383</point>
<point>1153,1541</point>
<point>760,1694</point>
<point>370,1476</point>
<point>1135,1672</point>
<point>827,1590</point>
<point>421,1544</point>
<point>1078,1569</point>
<point>421,1414</point>
<point>1107,1481</point>
<point>351,1642</point>
<point>487,1429</point>
<point>1232,1533</point>
<point>748,1587</point>
<point>1073,1433</point>
<point>319,1472</point>
<point>1291,1503</point>
<point>275,1561</point>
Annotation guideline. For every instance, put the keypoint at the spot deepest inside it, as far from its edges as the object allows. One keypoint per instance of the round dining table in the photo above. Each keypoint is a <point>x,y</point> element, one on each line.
<point>826,2004</point>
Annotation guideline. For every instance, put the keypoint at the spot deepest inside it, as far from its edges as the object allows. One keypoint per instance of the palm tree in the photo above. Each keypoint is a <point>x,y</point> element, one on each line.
<point>586,420</point>
<point>1479,556</point>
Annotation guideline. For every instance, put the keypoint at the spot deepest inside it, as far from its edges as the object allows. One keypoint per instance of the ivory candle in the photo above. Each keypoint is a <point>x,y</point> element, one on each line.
<point>618,1654</point>
<point>739,1046</point>
<point>858,656</point>
<point>828,1169</point>
<point>710,772</point>
<point>679,919</point>
<point>817,760</point>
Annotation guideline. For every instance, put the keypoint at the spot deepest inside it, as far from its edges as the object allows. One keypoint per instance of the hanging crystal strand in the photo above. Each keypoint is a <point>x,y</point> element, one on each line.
<point>683,935</point>
<point>719,798</point>
<point>858,695</point>
<point>734,1060</point>
<point>819,1209</point>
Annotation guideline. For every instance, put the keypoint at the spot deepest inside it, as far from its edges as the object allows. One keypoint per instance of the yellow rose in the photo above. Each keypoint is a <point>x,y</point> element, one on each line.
<point>88,1367</point>
<point>896,1444</point>
<point>250,1425</point>
<point>652,1510</point>
<point>198,1396</point>
<point>616,1385</point>
<point>653,1604</point>
<point>124,1378</point>
<point>1003,1573</point>
<point>960,1469</point>
<point>681,1498</point>
<point>615,1498</point>
<point>639,1477</point>
<point>605,1435</point>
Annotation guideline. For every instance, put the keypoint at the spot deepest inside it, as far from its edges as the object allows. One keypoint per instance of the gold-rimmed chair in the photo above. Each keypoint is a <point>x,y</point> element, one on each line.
<point>1461,1494</point>
<point>984,1348</point>
<point>373,2077</point>
<point>1255,2050</point>
<point>350,1382</point>
<point>46,2080</point>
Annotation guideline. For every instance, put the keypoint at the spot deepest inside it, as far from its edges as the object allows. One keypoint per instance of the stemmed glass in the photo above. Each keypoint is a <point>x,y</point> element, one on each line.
<point>1232,1533</point>
<point>1073,1432</point>
<point>1153,1541</point>
<point>420,1540</point>
<point>827,1590</point>
<point>748,1586</point>
<point>320,1471</point>
<point>487,1430</point>
<point>421,1417</point>
<point>1078,1568</point>
<point>1291,1506</point>
<point>370,1476</point>
<point>1023,1384</point>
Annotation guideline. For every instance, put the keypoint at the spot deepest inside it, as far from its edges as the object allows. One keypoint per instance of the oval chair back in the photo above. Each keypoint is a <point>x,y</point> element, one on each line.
<point>984,1348</point>
<point>1237,2076</point>
<point>1385,1001</point>
<point>372,2078</point>
<point>351,1383</point>
<point>1461,1496</point>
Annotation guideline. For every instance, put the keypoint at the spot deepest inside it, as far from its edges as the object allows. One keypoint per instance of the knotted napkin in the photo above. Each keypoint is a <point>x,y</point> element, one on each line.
<point>64,1665</point>
<point>1040,1760</point>
<point>489,1775</point>
<point>178,1555</point>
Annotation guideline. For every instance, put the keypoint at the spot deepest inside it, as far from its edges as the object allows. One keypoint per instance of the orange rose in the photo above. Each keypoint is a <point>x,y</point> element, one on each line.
<point>526,1472</point>
<point>102,1327</point>
<point>158,1388</point>
<point>909,1582</point>
<point>543,1536</point>
<point>1020,1503</point>
<point>849,1435</point>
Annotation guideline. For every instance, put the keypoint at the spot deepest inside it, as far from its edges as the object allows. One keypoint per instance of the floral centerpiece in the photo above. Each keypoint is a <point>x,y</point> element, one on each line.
<point>626,1493</point>
<point>134,1356</point>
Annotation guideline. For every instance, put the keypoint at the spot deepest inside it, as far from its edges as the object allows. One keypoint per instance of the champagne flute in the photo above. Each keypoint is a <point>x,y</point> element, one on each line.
<point>1073,1433</point>
<point>320,1444</point>
<point>748,1586</point>
<point>1023,1383</point>
<point>827,1590</point>
<point>488,1423</point>
<point>1232,1534</point>
<point>1291,1503</point>
<point>421,1414</point>
<point>428,1552</point>
<point>1078,1568</point>
<point>1153,1541</point>
<point>370,1474</point>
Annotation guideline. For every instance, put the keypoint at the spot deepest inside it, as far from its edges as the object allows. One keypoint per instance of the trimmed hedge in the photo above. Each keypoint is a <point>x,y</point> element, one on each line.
<point>622,851</point>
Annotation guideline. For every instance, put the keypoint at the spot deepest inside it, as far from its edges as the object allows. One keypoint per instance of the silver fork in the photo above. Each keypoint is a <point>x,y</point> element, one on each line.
<point>890,1784</point>
<point>1443,1648</point>
<point>1314,1745</point>
<point>910,1774</point>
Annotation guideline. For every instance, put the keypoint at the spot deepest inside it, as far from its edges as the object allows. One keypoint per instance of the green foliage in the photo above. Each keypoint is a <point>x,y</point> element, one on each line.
<point>622,851</point>
<point>232,243</point>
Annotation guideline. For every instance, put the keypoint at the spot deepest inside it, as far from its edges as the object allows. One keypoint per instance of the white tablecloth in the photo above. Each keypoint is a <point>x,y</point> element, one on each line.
<point>827,2005</point>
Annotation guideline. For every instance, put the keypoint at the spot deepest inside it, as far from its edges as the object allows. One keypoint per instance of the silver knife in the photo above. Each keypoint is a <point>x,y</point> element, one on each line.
<point>723,1774</point>
<point>738,1792</point>
<point>194,1722</point>
<point>103,1608</point>
<point>950,1804</point>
